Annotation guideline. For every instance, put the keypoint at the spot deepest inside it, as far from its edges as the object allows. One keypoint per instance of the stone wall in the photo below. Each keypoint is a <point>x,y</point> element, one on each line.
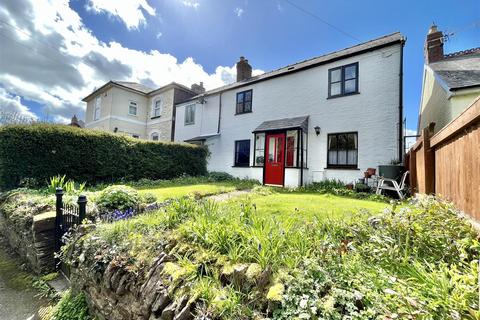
<point>116,294</point>
<point>34,241</point>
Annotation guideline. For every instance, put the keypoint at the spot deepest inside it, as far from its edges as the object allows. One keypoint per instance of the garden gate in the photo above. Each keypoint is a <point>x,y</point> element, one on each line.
<point>67,217</point>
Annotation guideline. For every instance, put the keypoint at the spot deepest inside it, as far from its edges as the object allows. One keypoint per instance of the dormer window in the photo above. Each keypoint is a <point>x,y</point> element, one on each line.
<point>343,80</point>
<point>132,108</point>
<point>244,102</point>
<point>157,109</point>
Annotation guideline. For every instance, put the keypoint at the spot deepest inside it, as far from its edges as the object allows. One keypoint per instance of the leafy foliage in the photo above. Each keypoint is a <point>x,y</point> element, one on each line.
<point>118,197</point>
<point>41,151</point>
<point>69,186</point>
<point>71,307</point>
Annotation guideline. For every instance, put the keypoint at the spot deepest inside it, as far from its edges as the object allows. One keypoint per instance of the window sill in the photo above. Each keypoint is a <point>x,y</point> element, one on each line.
<point>306,168</point>
<point>189,124</point>
<point>133,115</point>
<point>343,95</point>
<point>237,114</point>
<point>155,117</point>
<point>341,168</point>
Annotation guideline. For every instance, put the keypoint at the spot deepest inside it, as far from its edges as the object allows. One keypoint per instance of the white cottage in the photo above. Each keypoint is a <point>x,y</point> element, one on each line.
<point>330,117</point>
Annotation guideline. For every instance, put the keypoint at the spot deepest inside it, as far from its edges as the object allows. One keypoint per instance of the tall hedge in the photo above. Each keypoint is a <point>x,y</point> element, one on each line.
<point>41,151</point>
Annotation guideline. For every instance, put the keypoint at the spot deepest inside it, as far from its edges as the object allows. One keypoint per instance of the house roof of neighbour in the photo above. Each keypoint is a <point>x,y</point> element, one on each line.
<point>378,43</point>
<point>136,87</point>
<point>283,124</point>
<point>459,70</point>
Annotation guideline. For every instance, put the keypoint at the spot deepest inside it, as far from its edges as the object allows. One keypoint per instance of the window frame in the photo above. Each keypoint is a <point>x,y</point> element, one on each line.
<point>154,108</point>
<point>97,106</point>
<point>258,148</point>
<point>235,164</point>
<point>343,80</point>
<point>136,108</point>
<point>192,121</point>
<point>243,93</point>
<point>342,166</point>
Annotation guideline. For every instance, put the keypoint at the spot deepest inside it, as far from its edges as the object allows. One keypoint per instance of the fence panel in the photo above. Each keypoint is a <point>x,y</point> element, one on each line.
<point>448,163</point>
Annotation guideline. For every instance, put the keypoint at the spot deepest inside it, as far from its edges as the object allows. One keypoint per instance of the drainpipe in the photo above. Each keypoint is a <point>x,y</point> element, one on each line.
<point>219,111</point>
<point>400,106</point>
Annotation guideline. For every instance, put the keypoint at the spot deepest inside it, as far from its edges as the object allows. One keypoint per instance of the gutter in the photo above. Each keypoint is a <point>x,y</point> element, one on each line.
<point>219,111</point>
<point>400,106</point>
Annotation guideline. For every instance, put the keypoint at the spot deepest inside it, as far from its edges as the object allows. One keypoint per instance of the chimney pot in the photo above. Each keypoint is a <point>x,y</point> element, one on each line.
<point>198,88</point>
<point>244,69</point>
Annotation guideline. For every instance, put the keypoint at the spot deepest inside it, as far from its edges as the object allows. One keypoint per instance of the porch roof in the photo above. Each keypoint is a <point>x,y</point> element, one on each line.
<point>283,124</point>
<point>202,137</point>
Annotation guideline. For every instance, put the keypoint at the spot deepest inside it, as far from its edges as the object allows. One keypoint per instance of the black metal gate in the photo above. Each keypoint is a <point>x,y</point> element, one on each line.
<point>67,217</point>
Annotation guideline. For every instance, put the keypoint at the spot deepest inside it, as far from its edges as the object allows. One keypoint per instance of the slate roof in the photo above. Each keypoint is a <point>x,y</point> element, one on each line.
<point>202,137</point>
<point>460,69</point>
<point>134,86</point>
<point>283,124</point>
<point>387,40</point>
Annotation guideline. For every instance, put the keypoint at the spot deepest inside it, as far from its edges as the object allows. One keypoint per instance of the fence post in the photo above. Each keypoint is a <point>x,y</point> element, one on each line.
<point>82,207</point>
<point>58,219</point>
<point>429,159</point>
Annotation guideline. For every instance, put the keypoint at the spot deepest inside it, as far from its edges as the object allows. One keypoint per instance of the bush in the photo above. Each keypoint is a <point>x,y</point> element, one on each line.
<point>72,308</point>
<point>220,176</point>
<point>117,198</point>
<point>42,151</point>
<point>148,198</point>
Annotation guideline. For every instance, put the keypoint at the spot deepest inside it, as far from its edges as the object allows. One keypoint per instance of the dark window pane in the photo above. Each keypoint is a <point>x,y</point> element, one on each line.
<point>336,89</point>
<point>247,107</point>
<point>350,86</point>
<point>335,75</point>
<point>332,143</point>
<point>240,97</point>
<point>248,96</point>
<point>242,153</point>
<point>342,149</point>
<point>350,72</point>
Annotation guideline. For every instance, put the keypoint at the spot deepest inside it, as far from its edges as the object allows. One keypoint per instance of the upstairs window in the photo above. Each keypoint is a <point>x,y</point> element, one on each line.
<point>157,109</point>
<point>97,108</point>
<point>132,108</point>
<point>190,114</point>
<point>343,150</point>
<point>244,102</point>
<point>343,80</point>
<point>242,153</point>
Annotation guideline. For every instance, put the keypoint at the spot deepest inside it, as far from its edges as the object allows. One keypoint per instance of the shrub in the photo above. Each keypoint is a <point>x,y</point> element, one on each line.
<point>72,307</point>
<point>148,198</point>
<point>117,198</point>
<point>42,151</point>
<point>69,186</point>
<point>220,176</point>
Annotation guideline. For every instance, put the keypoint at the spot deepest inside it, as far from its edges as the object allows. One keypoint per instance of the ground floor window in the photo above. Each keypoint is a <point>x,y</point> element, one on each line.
<point>343,150</point>
<point>242,153</point>
<point>259,157</point>
<point>155,136</point>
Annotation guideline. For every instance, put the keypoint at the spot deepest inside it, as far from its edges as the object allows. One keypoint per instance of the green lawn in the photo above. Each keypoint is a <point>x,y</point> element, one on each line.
<point>203,189</point>
<point>307,205</point>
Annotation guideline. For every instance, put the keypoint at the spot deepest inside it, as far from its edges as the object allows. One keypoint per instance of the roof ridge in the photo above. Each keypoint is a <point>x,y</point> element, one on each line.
<point>462,52</point>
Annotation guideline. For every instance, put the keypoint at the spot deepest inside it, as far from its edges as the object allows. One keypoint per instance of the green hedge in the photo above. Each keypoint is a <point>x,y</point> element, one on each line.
<point>41,151</point>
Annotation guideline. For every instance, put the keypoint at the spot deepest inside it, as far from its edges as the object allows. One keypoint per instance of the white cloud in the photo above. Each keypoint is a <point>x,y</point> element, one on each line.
<point>63,61</point>
<point>239,12</point>
<point>159,35</point>
<point>12,103</point>
<point>129,11</point>
<point>191,3</point>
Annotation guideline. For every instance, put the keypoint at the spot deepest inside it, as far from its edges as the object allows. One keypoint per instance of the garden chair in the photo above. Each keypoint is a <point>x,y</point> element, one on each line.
<point>391,184</point>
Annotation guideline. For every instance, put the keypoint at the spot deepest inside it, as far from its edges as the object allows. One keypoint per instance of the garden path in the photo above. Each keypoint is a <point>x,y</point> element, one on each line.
<point>228,195</point>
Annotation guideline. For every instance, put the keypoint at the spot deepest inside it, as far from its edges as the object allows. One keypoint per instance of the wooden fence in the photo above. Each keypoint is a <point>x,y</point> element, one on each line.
<point>448,163</point>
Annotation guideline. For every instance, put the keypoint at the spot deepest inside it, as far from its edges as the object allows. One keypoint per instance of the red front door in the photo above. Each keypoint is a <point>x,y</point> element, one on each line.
<point>275,164</point>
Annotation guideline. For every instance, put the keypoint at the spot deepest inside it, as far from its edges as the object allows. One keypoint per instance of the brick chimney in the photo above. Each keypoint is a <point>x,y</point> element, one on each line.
<point>198,88</point>
<point>244,70</point>
<point>434,45</point>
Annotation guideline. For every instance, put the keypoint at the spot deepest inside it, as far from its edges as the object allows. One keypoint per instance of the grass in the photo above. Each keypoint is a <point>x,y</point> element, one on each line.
<point>169,192</point>
<point>307,206</point>
<point>415,261</point>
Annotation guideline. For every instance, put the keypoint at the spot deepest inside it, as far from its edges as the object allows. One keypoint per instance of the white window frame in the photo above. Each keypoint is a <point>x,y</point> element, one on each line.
<point>97,108</point>
<point>155,108</point>
<point>136,108</point>
<point>189,121</point>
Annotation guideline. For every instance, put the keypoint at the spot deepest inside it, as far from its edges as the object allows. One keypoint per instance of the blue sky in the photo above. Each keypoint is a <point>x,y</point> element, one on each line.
<point>153,41</point>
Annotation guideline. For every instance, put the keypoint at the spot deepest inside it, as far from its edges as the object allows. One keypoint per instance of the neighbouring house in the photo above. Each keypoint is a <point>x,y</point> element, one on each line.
<point>75,122</point>
<point>136,110</point>
<point>451,82</point>
<point>330,117</point>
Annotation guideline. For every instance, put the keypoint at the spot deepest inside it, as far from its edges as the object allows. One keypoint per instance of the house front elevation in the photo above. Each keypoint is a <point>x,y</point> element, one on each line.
<point>138,111</point>
<point>330,117</point>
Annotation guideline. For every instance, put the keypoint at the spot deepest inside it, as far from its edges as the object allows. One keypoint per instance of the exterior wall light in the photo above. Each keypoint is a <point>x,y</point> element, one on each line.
<point>317,130</point>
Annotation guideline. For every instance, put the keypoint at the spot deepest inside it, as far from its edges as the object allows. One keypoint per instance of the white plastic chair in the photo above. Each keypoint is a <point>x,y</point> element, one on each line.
<point>384,184</point>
